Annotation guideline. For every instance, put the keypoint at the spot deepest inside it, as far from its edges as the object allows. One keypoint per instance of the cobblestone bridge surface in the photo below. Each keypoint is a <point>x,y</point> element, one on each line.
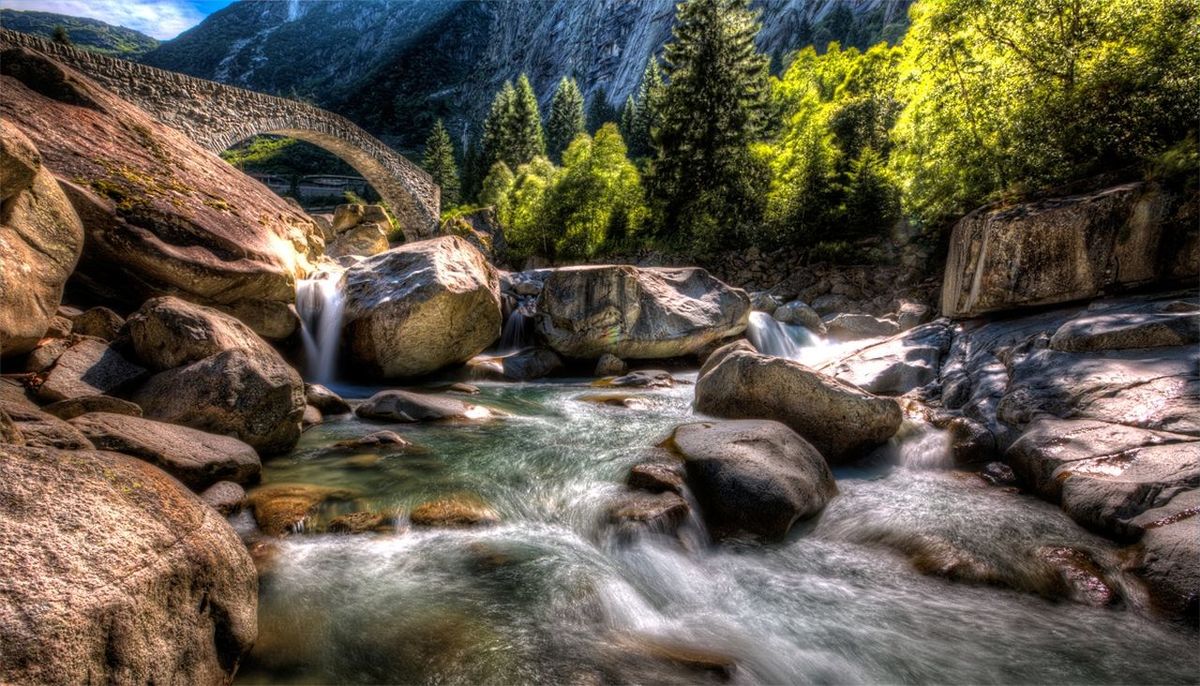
<point>218,116</point>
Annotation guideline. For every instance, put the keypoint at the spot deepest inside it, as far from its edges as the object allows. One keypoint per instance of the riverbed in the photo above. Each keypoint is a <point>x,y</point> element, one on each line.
<point>554,594</point>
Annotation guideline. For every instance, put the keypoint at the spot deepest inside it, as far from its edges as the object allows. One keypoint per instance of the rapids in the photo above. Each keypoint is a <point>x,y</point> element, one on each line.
<point>552,595</point>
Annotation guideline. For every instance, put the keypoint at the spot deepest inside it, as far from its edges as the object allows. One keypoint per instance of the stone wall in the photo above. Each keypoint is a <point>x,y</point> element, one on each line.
<point>218,116</point>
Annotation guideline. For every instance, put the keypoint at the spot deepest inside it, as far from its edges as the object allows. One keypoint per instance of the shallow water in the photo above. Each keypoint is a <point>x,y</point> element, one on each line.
<point>552,596</point>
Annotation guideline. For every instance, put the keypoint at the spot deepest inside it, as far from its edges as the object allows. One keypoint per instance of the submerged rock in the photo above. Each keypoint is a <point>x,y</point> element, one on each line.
<point>284,508</point>
<point>358,523</point>
<point>635,313</point>
<point>135,581</point>
<point>376,439</point>
<point>637,511</point>
<point>752,475</point>
<point>454,511</point>
<point>839,419</point>
<point>405,406</point>
<point>422,306</point>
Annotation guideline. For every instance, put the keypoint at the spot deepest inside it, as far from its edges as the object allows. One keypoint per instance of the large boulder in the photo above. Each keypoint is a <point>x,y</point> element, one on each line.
<point>249,394</point>
<point>406,406</point>
<point>420,307</point>
<point>169,332</point>
<point>365,240</point>
<point>90,367</point>
<point>899,364</point>
<point>1067,249</point>
<point>40,242</point>
<point>25,424</point>
<point>636,313</point>
<point>1158,327</point>
<point>1169,556</point>
<point>162,214</point>
<point>752,476</point>
<point>840,419</point>
<point>196,458</point>
<point>115,573</point>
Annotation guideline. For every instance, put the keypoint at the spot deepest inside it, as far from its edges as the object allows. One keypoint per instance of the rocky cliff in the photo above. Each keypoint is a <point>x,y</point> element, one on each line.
<point>394,65</point>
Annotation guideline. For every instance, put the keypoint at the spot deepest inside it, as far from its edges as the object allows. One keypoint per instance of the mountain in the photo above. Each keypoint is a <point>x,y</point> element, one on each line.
<point>91,34</point>
<point>396,65</point>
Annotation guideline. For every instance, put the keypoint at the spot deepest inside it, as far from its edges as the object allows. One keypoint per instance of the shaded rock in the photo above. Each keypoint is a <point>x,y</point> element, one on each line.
<point>831,303</point>
<point>376,439</point>
<point>60,327</point>
<point>135,581</point>
<point>100,322</point>
<point>358,523</point>
<point>847,326</point>
<point>406,406</point>
<point>634,313</point>
<point>1121,330</point>
<point>162,214</point>
<point>898,365</point>
<point>454,511</point>
<point>420,307</point>
<point>196,458</point>
<point>40,241</point>
<point>656,477</point>
<point>636,511</point>
<point>761,301</point>
<point>838,418</point>
<point>481,229</point>
<point>911,314</point>
<point>47,352</point>
<point>37,429</point>
<point>89,367</point>
<point>1169,557</point>
<point>169,332</point>
<point>642,378</point>
<point>998,474</point>
<point>73,407</point>
<point>225,497</point>
<point>610,365</point>
<point>365,239</point>
<point>285,507</point>
<point>250,394</point>
<point>800,314</point>
<point>751,475</point>
<point>529,364</point>
<point>325,400</point>
<point>311,417</point>
<point>1065,249</point>
<point>970,442</point>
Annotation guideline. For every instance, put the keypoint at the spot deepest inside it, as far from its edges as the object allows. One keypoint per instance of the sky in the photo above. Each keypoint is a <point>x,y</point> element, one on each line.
<point>161,19</point>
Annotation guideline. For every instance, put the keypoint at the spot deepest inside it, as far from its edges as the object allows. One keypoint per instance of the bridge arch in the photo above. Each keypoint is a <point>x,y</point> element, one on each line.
<point>217,116</point>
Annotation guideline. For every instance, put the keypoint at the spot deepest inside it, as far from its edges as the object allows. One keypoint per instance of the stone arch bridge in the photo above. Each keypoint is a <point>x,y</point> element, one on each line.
<point>217,116</point>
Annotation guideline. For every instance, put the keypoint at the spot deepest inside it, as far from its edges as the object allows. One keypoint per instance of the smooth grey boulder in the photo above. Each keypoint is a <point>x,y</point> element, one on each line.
<point>249,394</point>
<point>405,406</point>
<point>169,332</point>
<point>529,364</point>
<point>752,476</point>
<point>196,458</point>
<point>899,364</point>
<point>89,367</point>
<point>325,400</point>
<point>420,307</point>
<point>849,326</point>
<point>1122,330</point>
<point>114,573</point>
<point>840,419</point>
<point>637,313</point>
<point>799,313</point>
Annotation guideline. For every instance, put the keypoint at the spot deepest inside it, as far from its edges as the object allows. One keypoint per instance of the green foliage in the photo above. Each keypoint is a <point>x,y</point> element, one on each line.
<point>60,35</point>
<point>88,34</point>
<point>439,162</point>
<point>512,132</point>
<point>706,184</point>
<point>599,111</point>
<point>1023,95</point>
<point>628,115</point>
<point>472,171</point>
<point>497,143</point>
<point>285,157</point>
<point>566,118</point>
<point>648,111</point>
<point>495,188</point>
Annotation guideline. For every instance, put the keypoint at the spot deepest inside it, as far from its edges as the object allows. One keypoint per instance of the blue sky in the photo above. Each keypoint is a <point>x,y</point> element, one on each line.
<point>159,18</point>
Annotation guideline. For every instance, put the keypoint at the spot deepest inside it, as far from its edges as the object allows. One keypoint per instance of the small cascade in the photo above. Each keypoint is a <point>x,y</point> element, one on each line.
<point>921,446</point>
<point>320,302</point>
<point>773,337</point>
<point>518,331</point>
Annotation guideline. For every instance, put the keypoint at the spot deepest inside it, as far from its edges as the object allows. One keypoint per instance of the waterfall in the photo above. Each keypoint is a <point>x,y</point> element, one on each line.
<point>772,337</point>
<point>320,301</point>
<point>518,329</point>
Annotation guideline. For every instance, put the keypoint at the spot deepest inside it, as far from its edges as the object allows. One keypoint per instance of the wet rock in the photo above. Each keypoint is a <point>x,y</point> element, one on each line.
<point>610,365</point>
<point>799,313</point>
<point>1084,580</point>
<point>196,458</point>
<point>249,394</point>
<point>628,400</point>
<point>1127,329</point>
<point>420,307</point>
<point>643,378</point>
<point>462,389</point>
<point>529,364</point>
<point>752,475</point>
<point>89,367</point>
<point>376,439</point>
<point>1066,249</point>
<point>454,511</point>
<point>633,313</point>
<point>761,301</point>
<point>970,442</point>
<point>636,511</point>
<point>286,507</point>
<point>325,400</point>
<point>657,477</point>
<point>1168,557</point>
<point>40,242</point>
<point>357,523</point>
<point>848,327</point>
<point>73,407</point>
<point>839,419</point>
<point>405,406</point>
<point>169,332</point>
<point>638,651</point>
<point>171,599</point>
<point>998,474</point>
<point>100,322</point>
<point>225,497</point>
<point>310,418</point>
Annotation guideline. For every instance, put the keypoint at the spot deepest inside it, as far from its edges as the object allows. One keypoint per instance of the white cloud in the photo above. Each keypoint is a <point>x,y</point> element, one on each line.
<point>159,18</point>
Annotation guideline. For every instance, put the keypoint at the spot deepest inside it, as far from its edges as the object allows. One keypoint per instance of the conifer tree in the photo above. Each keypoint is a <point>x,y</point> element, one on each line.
<point>472,171</point>
<point>704,177</point>
<point>646,116</point>
<point>566,118</point>
<point>628,116</point>
<point>600,112</point>
<point>497,144</point>
<point>524,128</point>
<point>439,162</point>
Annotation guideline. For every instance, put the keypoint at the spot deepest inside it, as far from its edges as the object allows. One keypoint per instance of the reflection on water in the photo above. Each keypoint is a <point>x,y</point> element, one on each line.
<point>551,596</point>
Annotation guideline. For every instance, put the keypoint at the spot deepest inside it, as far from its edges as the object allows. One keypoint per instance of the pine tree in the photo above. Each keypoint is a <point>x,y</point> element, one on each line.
<point>566,118</point>
<point>439,162</point>
<point>628,116</point>
<point>60,35</point>
<point>525,126</point>
<point>497,143</point>
<point>704,177</point>
<point>600,112</point>
<point>647,113</point>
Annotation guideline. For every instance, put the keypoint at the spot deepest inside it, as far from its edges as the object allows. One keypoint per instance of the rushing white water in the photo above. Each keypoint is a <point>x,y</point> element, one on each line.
<point>320,303</point>
<point>517,333</point>
<point>772,337</point>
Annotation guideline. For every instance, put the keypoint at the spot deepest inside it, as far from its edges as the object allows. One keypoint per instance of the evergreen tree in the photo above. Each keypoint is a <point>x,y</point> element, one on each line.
<point>439,162</point>
<point>566,118</point>
<point>628,116</point>
<point>61,36</point>
<point>704,177</point>
<point>497,143</point>
<point>600,112</point>
<point>647,113</point>
<point>524,128</point>
<point>472,172</point>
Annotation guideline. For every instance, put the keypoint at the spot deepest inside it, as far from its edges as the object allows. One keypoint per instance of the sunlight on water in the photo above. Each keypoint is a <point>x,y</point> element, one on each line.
<point>794,342</point>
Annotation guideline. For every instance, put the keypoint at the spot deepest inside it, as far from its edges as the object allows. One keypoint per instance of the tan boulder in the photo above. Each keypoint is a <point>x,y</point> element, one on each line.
<point>366,239</point>
<point>169,332</point>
